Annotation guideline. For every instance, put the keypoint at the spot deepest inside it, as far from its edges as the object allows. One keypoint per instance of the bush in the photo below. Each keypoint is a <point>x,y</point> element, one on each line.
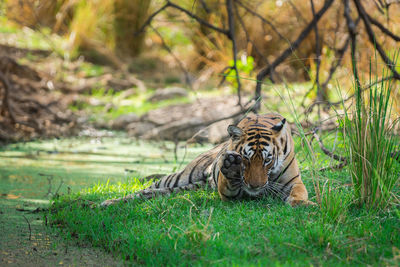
<point>370,138</point>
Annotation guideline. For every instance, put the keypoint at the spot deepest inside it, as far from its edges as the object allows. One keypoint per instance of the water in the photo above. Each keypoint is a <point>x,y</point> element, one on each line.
<point>34,171</point>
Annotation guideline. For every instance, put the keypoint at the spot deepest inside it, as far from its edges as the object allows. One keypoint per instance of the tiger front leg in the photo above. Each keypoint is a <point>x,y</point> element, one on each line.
<point>230,179</point>
<point>298,195</point>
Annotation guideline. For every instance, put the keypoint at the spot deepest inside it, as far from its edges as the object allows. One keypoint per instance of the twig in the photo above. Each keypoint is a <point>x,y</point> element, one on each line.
<point>320,94</point>
<point>383,28</point>
<point>327,151</point>
<point>264,20</point>
<point>363,89</point>
<point>207,123</point>
<point>268,69</point>
<point>150,19</point>
<point>351,26</point>
<point>187,12</point>
<point>29,226</point>
<point>332,70</point>
<point>364,16</point>
<point>231,36</point>
<point>240,19</point>
<point>59,187</point>
<point>226,70</point>
<point>341,52</point>
<point>335,167</point>
<point>181,66</point>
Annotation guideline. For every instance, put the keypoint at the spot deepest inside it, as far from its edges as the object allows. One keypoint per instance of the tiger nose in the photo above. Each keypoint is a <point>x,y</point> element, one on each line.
<point>256,184</point>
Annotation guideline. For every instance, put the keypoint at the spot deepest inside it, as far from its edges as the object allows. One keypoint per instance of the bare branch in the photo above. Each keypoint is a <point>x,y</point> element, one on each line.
<point>364,16</point>
<point>351,26</point>
<point>326,151</point>
<point>29,227</point>
<point>187,12</point>
<point>363,89</point>
<point>207,123</point>
<point>267,70</point>
<point>335,167</point>
<point>240,19</point>
<point>181,66</point>
<point>333,68</point>
<point>150,19</point>
<point>231,35</point>
<point>383,28</point>
<point>264,20</point>
<point>198,19</point>
<point>320,91</point>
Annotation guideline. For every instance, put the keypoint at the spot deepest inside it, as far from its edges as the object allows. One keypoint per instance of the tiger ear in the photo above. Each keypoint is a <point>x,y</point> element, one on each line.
<point>277,127</point>
<point>234,132</point>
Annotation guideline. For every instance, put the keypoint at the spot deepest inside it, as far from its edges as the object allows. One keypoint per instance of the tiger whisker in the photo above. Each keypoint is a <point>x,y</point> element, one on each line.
<point>276,192</point>
<point>277,189</point>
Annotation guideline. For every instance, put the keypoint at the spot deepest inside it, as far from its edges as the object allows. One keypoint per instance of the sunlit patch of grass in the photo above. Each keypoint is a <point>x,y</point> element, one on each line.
<point>30,39</point>
<point>90,70</point>
<point>117,189</point>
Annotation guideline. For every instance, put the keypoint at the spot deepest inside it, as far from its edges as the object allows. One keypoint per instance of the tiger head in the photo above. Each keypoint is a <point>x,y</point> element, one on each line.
<point>264,142</point>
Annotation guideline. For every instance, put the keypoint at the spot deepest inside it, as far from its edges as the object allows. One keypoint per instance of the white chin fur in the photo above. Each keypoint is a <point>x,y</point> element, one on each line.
<point>253,192</point>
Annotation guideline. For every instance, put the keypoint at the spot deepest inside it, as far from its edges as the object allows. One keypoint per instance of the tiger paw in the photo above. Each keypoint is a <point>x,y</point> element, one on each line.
<point>232,166</point>
<point>299,202</point>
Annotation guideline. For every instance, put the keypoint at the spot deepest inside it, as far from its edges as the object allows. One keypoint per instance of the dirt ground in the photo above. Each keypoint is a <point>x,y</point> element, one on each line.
<point>34,244</point>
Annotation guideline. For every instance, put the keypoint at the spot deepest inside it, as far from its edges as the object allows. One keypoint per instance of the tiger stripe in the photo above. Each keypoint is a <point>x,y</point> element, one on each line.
<point>258,160</point>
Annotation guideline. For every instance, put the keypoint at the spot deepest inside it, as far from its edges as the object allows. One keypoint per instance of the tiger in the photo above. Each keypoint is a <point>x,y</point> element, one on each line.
<point>257,161</point>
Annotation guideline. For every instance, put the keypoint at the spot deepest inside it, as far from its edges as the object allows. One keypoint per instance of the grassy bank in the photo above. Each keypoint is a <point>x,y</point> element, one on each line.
<point>197,228</point>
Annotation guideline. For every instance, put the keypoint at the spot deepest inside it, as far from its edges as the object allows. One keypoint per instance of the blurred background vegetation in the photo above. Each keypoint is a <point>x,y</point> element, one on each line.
<point>163,70</point>
<point>150,44</point>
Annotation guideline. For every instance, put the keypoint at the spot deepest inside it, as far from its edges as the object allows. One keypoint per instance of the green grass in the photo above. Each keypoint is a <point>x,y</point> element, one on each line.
<point>197,228</point>
<point>194,228</point>
<point>371,141</point>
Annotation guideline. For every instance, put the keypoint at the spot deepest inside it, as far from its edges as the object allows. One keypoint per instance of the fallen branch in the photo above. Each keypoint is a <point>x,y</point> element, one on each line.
<point>327,151</point>
<point>335,167</point>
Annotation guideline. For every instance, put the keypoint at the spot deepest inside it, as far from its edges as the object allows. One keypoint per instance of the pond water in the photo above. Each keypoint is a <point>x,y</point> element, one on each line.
<point>36,170</point>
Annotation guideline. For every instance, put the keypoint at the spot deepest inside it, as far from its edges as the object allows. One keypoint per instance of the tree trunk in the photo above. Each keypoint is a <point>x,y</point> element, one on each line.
<point>129,17</point>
